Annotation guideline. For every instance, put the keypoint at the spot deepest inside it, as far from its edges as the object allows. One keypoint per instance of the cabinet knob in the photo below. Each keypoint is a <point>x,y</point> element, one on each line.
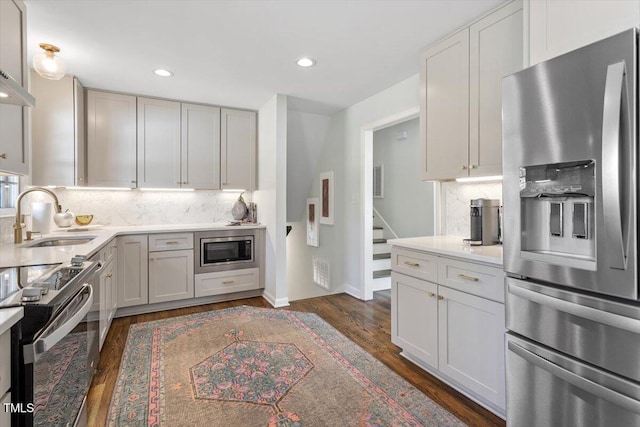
<point>472,166</point>
<point>440,297</point>
<point>463,167</point>
<point>3,156</point>
<point>431,294</point>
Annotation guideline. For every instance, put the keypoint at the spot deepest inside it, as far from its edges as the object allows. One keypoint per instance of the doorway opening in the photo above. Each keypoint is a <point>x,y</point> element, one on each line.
<point>394,180</point>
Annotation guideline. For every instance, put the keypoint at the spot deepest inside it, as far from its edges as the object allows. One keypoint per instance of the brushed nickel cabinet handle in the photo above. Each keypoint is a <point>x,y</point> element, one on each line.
<point>3,156</point>
<point>431,294</point>
<point>412,264</point>
<point>173,242</point>
<point>472,166</point>
<point>228,282</point>
<point>463,167</point>
<point>109,275</point>
<point>469,278</point>
<point>440,297</point>
<point>133,181</point>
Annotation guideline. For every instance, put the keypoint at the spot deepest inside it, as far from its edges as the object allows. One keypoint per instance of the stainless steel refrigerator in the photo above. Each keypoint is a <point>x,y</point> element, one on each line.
<point>570,189</point>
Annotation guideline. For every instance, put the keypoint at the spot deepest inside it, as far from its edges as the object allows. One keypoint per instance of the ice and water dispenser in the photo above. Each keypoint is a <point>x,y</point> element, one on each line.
<point>558,216</point>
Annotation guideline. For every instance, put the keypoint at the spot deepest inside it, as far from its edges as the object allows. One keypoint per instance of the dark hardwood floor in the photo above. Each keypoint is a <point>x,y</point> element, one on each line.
<point>368,324</point>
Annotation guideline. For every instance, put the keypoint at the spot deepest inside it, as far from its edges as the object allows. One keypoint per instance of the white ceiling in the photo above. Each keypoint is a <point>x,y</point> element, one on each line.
<point>239,53</point>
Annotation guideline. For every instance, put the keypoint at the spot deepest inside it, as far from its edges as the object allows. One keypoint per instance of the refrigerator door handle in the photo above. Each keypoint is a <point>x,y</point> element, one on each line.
<point>611,197</point>
<point>600,316</point>
<point>576,380</point>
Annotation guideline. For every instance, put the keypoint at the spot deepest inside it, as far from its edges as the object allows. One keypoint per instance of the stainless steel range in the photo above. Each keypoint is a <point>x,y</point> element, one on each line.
<point>54,347</point>
<point>570,140</point>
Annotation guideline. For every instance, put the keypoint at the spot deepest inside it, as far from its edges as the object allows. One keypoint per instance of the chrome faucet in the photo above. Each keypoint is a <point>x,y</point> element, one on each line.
<point>19,225</point>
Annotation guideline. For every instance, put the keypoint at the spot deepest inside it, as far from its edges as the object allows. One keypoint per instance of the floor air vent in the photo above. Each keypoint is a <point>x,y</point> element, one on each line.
<point>321,273</point>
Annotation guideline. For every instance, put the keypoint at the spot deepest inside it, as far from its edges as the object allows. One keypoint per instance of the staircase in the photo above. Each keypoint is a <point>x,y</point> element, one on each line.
<point>381,260</point>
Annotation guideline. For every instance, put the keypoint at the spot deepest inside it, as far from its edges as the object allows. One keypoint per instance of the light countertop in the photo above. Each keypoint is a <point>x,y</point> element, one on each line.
<point>452,246</point>
<point>9,317</point>
<point>12,255</point>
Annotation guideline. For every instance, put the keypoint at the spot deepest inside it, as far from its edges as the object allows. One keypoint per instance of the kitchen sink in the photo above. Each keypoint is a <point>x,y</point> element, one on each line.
<point>59,241</point>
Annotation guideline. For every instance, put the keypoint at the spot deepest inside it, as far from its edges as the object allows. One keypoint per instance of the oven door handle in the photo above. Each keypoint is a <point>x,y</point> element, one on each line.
<point>54,333</point>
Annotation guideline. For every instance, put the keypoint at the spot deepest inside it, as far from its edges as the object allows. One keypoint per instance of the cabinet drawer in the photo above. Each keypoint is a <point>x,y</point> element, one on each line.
<point>416,264</point>
<point>476,279</point>
<point>224,282</point>
<point>170,242</point>
<point>5,363</point>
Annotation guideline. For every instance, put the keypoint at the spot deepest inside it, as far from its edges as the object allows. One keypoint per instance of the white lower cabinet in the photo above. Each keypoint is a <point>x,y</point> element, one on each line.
<point>224,282</point>
<point>5,416</point>
<point>170,275</point>
<point>107,285</point>
<point>133,261</point>
<point>471,343</point>
<point>457,334</point>
<point>414,317</point>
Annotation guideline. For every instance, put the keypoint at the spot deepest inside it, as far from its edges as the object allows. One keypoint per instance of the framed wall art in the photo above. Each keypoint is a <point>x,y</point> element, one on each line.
<point>313,215</point>
<point>326,198</point>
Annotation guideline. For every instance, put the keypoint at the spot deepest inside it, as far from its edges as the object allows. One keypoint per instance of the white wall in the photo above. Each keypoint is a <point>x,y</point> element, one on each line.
<point>271,196</point>
<point>408,204</point>
<point>340,243</point>
<point>306,134</point>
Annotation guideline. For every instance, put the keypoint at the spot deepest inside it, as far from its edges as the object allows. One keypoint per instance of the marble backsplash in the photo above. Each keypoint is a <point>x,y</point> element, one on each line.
<point>118,208</point>
<point>455,204</point>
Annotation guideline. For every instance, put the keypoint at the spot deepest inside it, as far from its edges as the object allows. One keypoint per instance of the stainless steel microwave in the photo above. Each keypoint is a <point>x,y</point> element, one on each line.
<point>226,250</point>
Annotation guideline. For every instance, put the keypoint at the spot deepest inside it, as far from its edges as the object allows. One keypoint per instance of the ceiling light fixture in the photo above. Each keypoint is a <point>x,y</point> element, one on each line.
<point>47,64</point>
<point>162,72</point>
<point>306,62</point>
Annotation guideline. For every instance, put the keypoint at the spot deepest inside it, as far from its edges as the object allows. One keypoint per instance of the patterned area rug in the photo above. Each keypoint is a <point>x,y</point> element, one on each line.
<point>247,366</point>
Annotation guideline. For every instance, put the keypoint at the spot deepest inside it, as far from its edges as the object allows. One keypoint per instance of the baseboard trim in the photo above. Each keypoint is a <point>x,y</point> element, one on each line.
<point>275,302</point>
<point>150,308</point>
<point>353,291</point>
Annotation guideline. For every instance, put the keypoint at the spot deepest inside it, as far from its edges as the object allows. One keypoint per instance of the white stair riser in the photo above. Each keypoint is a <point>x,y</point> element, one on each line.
<point>381,248</point>
<point>378,234</point>
<point>381,264</point>
<point>381,284</point>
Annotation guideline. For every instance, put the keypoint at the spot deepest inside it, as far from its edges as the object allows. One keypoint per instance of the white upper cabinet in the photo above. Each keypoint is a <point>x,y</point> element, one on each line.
<point>461,96</point>
<point>58,142</point>
<point>495,49</point>
<point>158,143</point>
<point>238,149</point>
<point>14,126</point>
<point>111,139</point>
<point>444,116</point>
<point>200,147</point>
<point>560,26</point>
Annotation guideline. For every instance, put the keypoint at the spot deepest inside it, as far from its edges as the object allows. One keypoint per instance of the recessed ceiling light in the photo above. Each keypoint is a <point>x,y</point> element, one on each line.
<point>162,73</point>
<point>4,95</point>
<point>306,62</point>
